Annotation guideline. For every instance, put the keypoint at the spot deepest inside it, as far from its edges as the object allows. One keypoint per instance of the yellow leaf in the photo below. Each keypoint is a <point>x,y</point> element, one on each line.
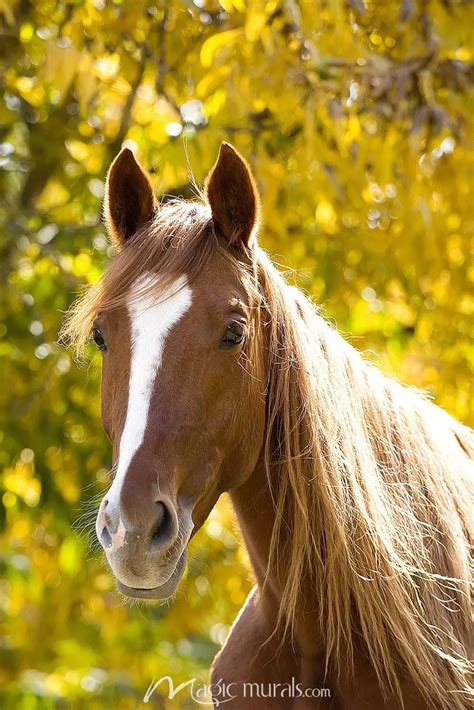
<point>326,216</point>
<point>254,25</point>
<point>53,195</point>
<point>211,81</point>
<point>89,155</point>
<point>212,45</point>
<point>231,5</point>
<point>31,91</point>
<point>215,103</point>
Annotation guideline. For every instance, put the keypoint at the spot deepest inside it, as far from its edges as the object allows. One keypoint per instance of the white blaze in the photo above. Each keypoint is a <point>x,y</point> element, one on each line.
<point>151,319</point>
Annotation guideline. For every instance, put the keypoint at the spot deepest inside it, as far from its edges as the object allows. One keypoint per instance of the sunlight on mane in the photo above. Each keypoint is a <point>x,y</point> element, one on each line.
<point>371,479</point>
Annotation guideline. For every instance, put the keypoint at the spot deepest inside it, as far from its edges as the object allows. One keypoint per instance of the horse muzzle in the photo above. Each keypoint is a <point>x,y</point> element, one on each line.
<point>146,555</point>
<point>163,591</point>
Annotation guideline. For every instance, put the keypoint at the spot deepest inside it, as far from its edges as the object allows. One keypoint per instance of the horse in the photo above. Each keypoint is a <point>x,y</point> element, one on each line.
<point>351,490</point>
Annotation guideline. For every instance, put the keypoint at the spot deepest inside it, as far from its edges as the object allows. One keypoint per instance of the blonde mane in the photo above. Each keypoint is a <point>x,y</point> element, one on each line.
<point>371,478</point>
<point>372,482</point>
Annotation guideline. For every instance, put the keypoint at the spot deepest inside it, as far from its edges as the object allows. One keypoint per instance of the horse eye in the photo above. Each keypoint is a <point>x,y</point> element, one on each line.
<point>98,339</point>
<point>234,334</point>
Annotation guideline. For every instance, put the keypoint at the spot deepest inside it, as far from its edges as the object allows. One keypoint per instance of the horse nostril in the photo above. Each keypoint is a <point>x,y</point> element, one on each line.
<point>162,524</point>
<point>161,508</point>
<point>105,537</point>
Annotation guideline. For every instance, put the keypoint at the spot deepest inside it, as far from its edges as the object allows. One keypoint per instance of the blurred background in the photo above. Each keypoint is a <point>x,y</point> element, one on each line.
<point>357,119</point>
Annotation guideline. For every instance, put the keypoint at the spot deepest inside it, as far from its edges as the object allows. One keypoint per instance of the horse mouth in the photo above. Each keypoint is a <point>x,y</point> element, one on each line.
<point>164,591</point>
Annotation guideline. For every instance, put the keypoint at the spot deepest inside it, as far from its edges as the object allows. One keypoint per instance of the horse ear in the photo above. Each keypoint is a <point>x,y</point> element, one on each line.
<point>129,200</point>
<point>233,197</point>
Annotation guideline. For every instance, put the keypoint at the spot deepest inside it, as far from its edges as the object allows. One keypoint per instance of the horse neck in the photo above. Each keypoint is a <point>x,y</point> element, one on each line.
<point>253,506</point>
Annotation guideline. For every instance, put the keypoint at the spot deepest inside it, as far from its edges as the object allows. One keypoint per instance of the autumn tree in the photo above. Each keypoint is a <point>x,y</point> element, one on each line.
<point>357,119</point>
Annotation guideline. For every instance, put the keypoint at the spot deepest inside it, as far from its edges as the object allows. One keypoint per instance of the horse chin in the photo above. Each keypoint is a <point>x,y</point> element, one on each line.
<point>164,591</point>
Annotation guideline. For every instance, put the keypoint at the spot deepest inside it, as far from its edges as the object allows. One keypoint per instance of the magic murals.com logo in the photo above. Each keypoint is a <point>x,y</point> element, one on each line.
<point>219,692</point>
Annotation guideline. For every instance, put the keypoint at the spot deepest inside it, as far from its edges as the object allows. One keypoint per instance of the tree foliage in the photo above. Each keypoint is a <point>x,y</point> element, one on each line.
<point>356,117</point>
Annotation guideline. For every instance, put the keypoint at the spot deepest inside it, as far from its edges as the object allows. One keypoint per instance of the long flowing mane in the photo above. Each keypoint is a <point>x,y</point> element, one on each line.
<point>373,480</point>
<point>371,477</point>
